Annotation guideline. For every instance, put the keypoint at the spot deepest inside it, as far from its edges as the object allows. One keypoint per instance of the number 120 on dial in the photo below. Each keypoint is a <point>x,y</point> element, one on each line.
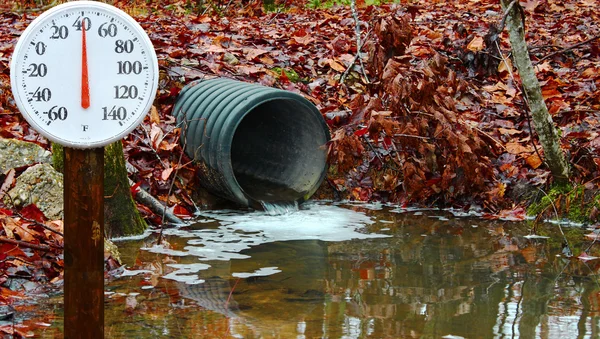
<point>84,74</point>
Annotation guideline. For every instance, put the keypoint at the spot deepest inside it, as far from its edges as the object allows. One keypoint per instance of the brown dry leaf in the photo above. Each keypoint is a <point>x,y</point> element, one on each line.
<point>56,225</point>
<point>336,65</point>
<point>551,93</point>
<point>530,5</point>
<point>23,233</point>
<point>543,67</point>
<point>591,72</point>
<point>517,148</point>
<point>509,131</point>
<point>511,91</point>
<point>252,53</point>
<point>154,117</point>
<point>505,66</point>
<point>499,86</point>
<point>556,105</point>
<point>8,226</point>
<point>534,161</point>
<point>498,191</point>
<point>381,113</point>
<point>156,135</point>
<point>476,44</point>
<point>267,60</point>
<point>301,40</point>
<point>8,182</point>
<point>214,49</point>
<point>249,69</point>
<point>166,173</point>
<point>338,135</point>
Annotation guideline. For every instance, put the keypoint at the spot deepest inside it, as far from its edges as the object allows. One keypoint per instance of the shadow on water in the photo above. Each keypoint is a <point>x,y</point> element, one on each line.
<point>432,275</point>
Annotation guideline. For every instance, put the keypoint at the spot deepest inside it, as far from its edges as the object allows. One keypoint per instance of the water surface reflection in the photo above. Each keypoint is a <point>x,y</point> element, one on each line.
<point>433,275</point>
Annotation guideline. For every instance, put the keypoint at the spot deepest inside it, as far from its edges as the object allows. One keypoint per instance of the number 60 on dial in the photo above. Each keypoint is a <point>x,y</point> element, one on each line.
<point>84,74</point>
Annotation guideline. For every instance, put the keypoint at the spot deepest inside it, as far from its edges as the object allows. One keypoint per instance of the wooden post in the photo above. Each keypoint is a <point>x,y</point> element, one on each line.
<point>84,243</point>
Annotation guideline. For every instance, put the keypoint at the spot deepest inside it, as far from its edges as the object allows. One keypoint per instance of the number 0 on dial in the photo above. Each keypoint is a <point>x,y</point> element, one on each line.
<point>84,74</point>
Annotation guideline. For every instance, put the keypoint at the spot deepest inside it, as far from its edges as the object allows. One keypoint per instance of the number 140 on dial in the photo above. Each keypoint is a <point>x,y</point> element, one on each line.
<point>84,74</point>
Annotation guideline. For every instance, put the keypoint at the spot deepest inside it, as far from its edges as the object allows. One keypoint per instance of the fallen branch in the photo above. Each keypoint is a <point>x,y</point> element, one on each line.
<point>38,247</point>
<point>154,205</point>
<point>568,48</point>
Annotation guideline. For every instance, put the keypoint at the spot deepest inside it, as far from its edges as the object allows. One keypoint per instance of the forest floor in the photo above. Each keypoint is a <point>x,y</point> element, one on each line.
<point>429,113</point>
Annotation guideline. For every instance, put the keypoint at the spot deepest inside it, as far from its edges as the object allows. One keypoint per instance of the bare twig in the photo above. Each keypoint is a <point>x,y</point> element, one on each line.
<point>358,55</point>
<point>38,247</point>
<point>184,121</point>
<point>491,138</point>
<point>412,136</point>
<point>40,224</point>
<point>33,221</point>
<point>527,116</point>
<point>559,226</point>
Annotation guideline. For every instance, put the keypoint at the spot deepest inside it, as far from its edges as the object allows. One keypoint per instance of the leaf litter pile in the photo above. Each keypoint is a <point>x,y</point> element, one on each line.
<point>425,108</point>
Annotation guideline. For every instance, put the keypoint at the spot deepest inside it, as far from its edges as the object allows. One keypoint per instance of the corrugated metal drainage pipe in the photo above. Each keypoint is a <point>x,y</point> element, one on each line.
<point>253,143</point>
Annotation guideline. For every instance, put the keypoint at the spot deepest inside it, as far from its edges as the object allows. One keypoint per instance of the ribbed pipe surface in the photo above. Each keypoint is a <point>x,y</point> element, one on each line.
<point>253,143</point>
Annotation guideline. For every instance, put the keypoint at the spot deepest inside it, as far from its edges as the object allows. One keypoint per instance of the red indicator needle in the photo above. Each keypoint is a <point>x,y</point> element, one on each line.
<point>85,84</point>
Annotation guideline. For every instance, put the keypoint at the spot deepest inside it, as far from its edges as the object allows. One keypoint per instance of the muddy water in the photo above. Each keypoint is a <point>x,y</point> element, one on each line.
<point>352,271</point>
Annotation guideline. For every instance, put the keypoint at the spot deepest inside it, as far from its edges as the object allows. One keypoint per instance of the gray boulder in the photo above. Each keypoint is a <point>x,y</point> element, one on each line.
<point>41,185</point>
<point>16,153</point>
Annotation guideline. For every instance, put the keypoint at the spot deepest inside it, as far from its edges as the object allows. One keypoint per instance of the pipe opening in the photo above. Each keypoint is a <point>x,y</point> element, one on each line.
<point>278,151</point>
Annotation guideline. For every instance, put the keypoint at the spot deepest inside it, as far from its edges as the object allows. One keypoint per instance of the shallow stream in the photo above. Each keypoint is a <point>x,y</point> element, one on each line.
<point>351,271</point>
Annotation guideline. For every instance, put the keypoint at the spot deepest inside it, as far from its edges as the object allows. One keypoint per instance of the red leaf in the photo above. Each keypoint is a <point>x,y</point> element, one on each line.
<point>361,132</point>
<point>135,188</point>
<point>181,212</point>
<point>33,212</point>
<point>387,142</point>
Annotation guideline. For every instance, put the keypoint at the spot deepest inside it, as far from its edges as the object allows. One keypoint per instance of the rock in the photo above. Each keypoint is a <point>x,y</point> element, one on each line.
<point>230,59</point>
<point>41,185</point>
<point>111,250</point>
<point>16,153</point>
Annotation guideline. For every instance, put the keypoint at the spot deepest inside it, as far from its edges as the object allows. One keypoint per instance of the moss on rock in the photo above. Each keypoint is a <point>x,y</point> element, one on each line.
<point>58,159</point>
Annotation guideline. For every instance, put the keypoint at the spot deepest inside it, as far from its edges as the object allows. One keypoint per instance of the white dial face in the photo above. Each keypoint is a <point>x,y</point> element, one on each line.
<point>84,74</point>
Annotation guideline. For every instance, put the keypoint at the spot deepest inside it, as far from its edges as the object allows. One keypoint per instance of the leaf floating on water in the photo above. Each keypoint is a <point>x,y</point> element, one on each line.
<point>585,257</point>
<point>593,236</point>
<point>516,214</point>
<point>452,336</point>
<point>261,272</point>
<point>535,236</point>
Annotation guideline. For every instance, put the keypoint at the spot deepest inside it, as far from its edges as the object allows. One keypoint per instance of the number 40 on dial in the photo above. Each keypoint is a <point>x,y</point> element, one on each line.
<point>84,74</point>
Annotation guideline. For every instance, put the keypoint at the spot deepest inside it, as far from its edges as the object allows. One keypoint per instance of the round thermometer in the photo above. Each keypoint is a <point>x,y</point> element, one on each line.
<point>84,74</point>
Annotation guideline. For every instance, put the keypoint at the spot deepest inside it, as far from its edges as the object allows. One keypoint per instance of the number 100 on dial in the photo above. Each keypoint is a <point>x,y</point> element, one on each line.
<point>84,74</point>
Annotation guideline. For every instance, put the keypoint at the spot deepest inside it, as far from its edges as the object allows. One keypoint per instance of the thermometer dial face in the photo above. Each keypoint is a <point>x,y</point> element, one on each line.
<point>84,74</point>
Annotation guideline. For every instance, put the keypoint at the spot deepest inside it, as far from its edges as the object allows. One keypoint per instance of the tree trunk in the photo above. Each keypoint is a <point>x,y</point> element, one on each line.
<point>542,120</point>
<point>121,216</point>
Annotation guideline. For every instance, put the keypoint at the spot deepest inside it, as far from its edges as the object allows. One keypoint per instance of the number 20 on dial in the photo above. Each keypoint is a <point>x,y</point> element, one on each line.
<point>84,74</point>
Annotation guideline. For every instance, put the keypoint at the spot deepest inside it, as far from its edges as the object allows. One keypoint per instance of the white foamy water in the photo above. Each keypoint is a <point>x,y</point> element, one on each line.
<point>280,208</point>
<point>240,230</point>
